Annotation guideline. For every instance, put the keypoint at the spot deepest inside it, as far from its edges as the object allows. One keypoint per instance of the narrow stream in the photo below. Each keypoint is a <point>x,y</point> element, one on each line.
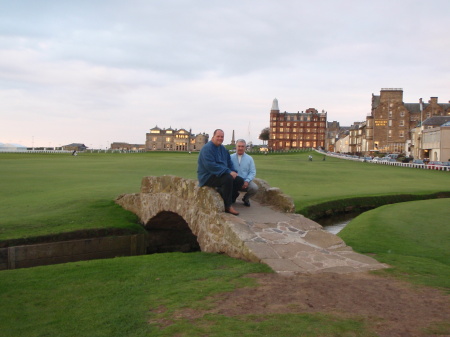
<point>336,223</point>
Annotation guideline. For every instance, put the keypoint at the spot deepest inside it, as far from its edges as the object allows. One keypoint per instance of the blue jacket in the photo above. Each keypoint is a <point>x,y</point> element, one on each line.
<point>246,169</point>
<point>213,160</point>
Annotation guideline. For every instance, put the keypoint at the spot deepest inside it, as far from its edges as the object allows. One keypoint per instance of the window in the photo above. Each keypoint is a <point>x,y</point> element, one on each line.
<point>402,122</point>
<point>390,133</point>
<point>402,114</point>
<point>390,114</point>
<point>390,122</point>
<point>402,134</point>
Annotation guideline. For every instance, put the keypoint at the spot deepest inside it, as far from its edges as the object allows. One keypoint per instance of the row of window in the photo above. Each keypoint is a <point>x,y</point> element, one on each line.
<point>295,130</point>
<point>298,118</point>
<point>315,124</point>
<point>293,136</point>
<point>171,139</point>
<point>295,144</point>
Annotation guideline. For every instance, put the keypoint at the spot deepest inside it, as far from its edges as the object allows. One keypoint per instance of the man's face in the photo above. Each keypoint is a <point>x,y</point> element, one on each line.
<point>240,148</point>
<point>217,139</point>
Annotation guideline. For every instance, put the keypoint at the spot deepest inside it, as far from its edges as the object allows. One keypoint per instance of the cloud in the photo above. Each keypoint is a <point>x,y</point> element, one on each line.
<point>90,71</point>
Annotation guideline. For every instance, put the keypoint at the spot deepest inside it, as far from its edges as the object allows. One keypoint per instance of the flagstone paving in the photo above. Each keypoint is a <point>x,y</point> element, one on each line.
<point>293,244</point>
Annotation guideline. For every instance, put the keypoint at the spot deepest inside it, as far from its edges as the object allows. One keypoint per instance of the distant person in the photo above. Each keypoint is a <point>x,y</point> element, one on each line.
<point>310,158</point>
<point>246,169</point>
<point>74,153</point>
<point>215,169</point>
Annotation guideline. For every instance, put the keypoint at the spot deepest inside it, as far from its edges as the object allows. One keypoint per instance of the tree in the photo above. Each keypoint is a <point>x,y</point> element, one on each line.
<point>265,133</point>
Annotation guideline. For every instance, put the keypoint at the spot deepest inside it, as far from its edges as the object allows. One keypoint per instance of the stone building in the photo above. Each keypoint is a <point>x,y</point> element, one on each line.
<point>342,143</point>
<point>432,139</point>
<point>298,130</point>
<point>334,132</point>
<point>127,147</point>
<point>74,147</point>
<point>174,140</point>
<point>391,120</point>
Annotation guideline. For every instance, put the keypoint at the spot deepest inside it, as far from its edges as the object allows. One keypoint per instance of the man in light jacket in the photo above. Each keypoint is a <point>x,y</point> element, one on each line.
<point>246,170</point>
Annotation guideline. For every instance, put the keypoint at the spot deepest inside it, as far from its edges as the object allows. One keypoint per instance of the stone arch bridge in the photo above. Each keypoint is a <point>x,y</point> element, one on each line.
<point>176,211</point>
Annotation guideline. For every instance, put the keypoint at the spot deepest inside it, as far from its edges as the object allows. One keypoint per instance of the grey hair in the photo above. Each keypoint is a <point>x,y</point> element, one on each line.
<point>241,141</point>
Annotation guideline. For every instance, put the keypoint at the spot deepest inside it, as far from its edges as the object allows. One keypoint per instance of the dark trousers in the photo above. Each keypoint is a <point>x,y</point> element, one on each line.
<point>227,187</point>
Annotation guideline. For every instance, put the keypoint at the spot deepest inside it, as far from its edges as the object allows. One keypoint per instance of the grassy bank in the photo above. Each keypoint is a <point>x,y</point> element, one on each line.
<point>48,194</point>
<point>142,295</point>
<point>412,237</point>
<point>138,296</point>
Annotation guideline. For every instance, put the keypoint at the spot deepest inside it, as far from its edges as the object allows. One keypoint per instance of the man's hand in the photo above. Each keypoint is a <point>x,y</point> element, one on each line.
<point>234,174</point>
<point>245,184</point>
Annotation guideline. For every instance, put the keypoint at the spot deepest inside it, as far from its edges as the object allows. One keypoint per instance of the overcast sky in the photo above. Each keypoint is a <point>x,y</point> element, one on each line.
<point>95,72</point>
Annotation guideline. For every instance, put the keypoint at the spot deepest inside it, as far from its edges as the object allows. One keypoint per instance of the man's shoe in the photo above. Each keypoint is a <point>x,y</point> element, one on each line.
<point>246,202</point>
<point>231,210</point>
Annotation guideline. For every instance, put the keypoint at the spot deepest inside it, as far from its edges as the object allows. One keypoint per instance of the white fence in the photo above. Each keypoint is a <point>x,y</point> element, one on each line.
<point>391,163</point>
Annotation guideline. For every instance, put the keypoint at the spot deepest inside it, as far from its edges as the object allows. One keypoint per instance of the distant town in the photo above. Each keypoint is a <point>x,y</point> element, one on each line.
<point>418,130</point>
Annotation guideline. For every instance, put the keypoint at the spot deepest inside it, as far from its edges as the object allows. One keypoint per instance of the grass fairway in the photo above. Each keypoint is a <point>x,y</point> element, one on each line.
<point>136,296</point>
<point>412,236</point>
<point>46,194</point>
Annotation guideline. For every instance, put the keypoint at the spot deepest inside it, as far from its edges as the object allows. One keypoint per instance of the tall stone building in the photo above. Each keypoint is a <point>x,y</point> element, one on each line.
<point>174,140</point>
<point>389,124</point>
<point>298,130</point>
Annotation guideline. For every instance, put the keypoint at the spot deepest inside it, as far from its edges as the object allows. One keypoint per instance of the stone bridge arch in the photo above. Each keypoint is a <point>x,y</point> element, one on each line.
<point>203,211</point>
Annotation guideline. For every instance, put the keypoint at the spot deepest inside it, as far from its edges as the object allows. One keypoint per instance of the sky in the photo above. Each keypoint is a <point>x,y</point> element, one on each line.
<point>97,72</point>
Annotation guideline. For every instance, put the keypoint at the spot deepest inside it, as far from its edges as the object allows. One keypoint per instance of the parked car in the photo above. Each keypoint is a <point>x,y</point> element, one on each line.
<point>418,161</point>
<point>433,164</point>
<point>392,155</point>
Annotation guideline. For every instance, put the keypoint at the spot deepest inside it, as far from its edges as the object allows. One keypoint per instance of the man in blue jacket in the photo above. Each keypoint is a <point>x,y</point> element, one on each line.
<point>246,170</point>
<point>215,169</point>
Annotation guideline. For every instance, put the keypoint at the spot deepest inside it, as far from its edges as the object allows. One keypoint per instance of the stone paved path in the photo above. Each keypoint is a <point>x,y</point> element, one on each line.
<point>292,244</point>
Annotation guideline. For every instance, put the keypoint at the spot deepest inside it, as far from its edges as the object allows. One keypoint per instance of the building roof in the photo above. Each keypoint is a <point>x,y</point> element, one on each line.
<point>77,144</point>
<point>414,107</point>
<point>436,120</point>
